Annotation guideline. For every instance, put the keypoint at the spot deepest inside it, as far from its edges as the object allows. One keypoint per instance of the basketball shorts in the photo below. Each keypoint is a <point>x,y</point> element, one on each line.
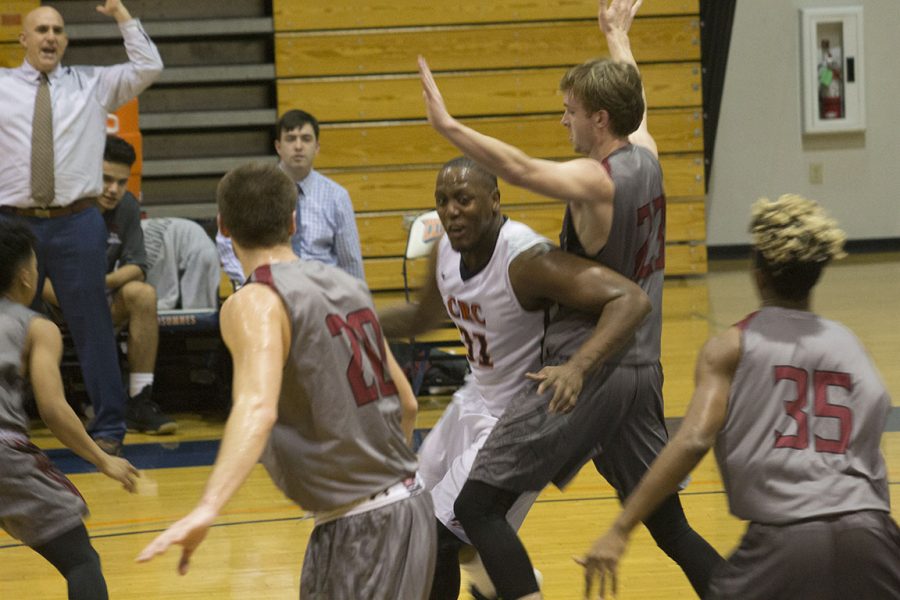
<point>37,502</point>
<point>448,452</point>
<point>382,554</point>
<point>530,447</point>
<point>854,555</point>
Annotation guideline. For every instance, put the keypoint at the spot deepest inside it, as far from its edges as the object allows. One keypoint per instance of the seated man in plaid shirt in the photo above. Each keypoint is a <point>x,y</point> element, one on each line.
<point>326,225</point>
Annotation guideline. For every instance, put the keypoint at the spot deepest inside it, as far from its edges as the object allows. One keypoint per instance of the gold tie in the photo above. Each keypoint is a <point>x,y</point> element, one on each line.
<point>42,167</point>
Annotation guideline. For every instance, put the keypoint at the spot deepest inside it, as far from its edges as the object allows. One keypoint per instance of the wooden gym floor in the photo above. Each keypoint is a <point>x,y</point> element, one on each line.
<point>256,548</point>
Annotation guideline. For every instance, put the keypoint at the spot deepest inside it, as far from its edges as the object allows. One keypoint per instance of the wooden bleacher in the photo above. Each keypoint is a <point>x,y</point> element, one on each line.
<point>352,64</point>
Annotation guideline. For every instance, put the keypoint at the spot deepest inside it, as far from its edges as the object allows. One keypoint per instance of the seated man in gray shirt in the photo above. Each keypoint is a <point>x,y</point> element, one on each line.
<point>132,301</point>
<point>326,224</point>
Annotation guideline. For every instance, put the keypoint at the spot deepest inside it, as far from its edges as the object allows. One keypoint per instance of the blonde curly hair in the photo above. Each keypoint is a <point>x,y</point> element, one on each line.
<point>794,230</point>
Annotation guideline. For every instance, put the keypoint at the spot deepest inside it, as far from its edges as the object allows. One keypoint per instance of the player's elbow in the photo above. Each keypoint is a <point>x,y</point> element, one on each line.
<point>639,301</point>
<point>694,441</point>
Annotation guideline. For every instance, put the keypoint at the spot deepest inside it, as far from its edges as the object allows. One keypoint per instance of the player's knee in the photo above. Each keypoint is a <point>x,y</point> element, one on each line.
<point>478,502</point>
<point>140,298</point>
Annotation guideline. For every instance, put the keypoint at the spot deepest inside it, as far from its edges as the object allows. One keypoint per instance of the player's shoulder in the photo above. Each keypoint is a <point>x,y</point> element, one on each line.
<point>722,351</point>
<point>517,236</point>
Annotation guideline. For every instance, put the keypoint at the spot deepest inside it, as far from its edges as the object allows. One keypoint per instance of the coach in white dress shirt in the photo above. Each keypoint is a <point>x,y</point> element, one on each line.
<point>52,134</point>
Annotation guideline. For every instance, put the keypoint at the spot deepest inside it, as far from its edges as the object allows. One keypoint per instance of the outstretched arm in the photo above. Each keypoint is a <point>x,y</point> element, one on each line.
<point>424,314</point>
<point>615,20</point>
<point>44,352</point>
<point>409,406</point>
<point>543,276</point>
<point>704,419</point>
<point>255,328</point>
<point>580,180</point>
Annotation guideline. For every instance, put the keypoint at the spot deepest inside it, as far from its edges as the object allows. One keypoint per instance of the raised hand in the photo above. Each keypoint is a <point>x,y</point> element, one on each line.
<point>435,108</point>
<point>114,9</point>
<point>616,14</point>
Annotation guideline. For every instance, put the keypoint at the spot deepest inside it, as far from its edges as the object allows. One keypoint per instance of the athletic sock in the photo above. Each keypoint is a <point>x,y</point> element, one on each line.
<point>137,382</point>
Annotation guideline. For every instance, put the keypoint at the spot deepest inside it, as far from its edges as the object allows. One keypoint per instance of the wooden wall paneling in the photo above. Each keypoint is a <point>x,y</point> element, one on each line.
<point>413,188</point>
<point>386,273</point>
<point>393,144</point>
<point>11,55</point>
<point>12,13</point>
<point>476,47</point>
<point>382,235</point>
<point>296,15</point>
<point>470,93</point>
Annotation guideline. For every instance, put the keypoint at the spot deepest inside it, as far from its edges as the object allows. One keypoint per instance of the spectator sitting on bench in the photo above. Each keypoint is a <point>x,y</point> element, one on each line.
<point>132,301</point>
<point>182,264</point>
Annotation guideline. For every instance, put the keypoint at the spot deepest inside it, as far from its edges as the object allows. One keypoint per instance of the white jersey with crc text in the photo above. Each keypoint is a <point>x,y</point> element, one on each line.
<point>503,340</point>
<point>805,416</point>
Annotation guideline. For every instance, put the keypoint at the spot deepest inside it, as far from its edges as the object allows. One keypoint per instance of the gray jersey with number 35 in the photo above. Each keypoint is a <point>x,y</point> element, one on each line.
<point>805,416</point>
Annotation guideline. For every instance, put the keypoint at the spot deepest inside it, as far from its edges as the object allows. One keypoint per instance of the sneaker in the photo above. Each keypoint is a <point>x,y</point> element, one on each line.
<point>143,415</point>
<point>110,446</point>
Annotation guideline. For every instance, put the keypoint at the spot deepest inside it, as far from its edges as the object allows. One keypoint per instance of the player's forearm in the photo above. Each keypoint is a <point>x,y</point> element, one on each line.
<point>617,323</point>
<point>68,429</point>
<point>405,320</point>
<point>505,161</point>
<point>620,47</point>
<point>123,275</point>
<point>246,433</point>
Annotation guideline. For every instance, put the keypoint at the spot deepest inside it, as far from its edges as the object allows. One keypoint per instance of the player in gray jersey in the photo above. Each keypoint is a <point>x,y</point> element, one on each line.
<point>38,504</point>
<point>795,410</point>
<point>494,277</point>
<point>615,215</point>
<point>316,396</point>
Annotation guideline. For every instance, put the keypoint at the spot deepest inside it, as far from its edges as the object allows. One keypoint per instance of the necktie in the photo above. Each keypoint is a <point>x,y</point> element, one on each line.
<point>295,240</point>
<point>42,177</point>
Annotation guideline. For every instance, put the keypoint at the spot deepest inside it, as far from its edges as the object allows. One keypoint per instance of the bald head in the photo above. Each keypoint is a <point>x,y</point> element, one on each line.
<point>44,38</point>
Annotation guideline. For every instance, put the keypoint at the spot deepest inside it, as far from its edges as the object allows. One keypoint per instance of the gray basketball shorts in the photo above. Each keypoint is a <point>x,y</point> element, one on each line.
<point>384,554</point>
<point>37,502</point>
<point>641,436</point>
<point>530,447</point>
<point>854,555</point>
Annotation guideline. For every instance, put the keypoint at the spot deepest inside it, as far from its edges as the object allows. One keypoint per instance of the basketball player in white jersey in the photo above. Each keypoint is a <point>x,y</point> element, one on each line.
<point>316,398</point>
<point>494,277</point>
<point>615,215</point>
<point>38,505</point>
<point>795,410</point>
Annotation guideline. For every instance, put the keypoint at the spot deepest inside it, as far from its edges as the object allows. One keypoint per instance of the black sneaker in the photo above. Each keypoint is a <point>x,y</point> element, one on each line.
<point>110,446</point>
<point>143,415</point>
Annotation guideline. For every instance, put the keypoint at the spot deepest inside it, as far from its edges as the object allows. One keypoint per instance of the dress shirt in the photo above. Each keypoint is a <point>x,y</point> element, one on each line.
<point>327,231</point>
<point>81,98</point>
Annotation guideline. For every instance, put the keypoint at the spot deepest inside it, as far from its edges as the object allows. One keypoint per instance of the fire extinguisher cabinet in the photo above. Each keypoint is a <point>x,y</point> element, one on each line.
<point>832,69</point>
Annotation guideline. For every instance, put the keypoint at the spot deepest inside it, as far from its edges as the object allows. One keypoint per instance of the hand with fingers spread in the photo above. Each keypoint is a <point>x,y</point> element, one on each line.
<point>565,380</point>
<point>114,9</point>
<point>616,14</point>
<point>435,108</point>
<point>188,533</point>
<point>601,563</point>
<point>121,470</point>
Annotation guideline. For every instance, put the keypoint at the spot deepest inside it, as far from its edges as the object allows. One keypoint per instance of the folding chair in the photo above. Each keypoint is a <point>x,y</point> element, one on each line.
<point>424,230</point>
